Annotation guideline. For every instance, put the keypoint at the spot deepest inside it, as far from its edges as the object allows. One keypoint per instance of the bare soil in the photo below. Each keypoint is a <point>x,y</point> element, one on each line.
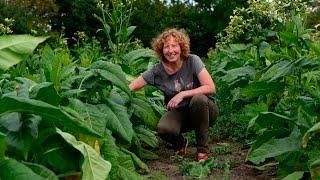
<point>167,166</point>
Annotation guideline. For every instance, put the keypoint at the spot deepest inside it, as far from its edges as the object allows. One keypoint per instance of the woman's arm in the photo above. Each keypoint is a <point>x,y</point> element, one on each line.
<point>207,87</point>
<point>137,84</point>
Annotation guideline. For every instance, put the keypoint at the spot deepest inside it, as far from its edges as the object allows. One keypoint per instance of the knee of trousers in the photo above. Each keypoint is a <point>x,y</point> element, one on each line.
<point>199,101</point>
<point>165,129</point>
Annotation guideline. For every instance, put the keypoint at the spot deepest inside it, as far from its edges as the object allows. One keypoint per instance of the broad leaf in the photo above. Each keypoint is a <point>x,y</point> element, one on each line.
<point>268,120</point>
<point>277,71</point>
<point>143,111</point>
<point>259,88</point>
<point>14,170</point>
<point>94,167</point>
<point>134,55</point>
<point>15,48</point>
<point>112,73</point>
<point>294,176</point>
<point>93,117</point>
<point>45,92</point>
<point>137,161</point>
<point>147,136</point>
<point>118,120</point>
<point>47,112</point>
<point>275,147</point>
<point>122,163</point>
<point>234,74</point>
<point>42,171</point>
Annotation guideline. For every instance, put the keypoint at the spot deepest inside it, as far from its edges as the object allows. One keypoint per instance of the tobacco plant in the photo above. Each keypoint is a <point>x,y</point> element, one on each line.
<point>275,81</point>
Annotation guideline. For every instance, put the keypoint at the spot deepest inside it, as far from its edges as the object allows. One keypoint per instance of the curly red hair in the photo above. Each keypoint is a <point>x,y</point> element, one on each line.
<point>179,35</point>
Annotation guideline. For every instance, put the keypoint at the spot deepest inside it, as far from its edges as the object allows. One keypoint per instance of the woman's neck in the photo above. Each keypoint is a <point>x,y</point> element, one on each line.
<point>172,67</point>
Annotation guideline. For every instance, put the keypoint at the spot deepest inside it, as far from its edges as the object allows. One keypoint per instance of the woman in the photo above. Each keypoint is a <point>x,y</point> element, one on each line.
<point>185,82</point>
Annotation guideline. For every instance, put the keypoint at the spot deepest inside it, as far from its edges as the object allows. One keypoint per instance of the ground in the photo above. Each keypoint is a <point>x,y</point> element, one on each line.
<point>171,166</point>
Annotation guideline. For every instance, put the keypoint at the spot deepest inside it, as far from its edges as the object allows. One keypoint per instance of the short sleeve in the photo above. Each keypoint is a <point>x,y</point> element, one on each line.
<point>148,75</point>
<point>198,65</point>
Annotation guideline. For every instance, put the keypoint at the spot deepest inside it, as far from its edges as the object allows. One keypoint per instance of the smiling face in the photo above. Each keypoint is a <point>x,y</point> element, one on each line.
<point>171,49</point>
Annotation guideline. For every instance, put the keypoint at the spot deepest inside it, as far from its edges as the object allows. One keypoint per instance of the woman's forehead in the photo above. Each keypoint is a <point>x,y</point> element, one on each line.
<point>170,38</point>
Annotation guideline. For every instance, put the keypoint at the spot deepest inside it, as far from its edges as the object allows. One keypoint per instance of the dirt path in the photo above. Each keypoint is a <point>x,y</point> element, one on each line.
<point>229,159</point>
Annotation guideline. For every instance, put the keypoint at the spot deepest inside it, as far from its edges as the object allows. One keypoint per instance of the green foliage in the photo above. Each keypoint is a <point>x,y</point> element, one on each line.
<point>42,171</point>
<point>3,144</point>
<point>15,48</point>
<point>258,20</point>
<point>279,50</point>
<point>199,170</point>
<point>202,20</point>
<point>31,17</point>
<point>93,166</point>
<point>122,163</point>
<point>12,169</point>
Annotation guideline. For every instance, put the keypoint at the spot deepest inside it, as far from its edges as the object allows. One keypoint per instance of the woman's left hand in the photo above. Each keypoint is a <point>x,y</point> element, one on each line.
<point>174,102</point>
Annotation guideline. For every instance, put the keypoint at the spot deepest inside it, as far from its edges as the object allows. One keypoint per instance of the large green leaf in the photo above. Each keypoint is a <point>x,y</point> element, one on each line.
<point>117,120</point>
<point>91,114</point>
<point>258,88</point>
<point>275,147</point>
<point>14,170</point>
<point>112,73</point>
<point>147,136</point>
<point>269,120</point>
<point>136,54</point>
<point>73,121</point>
<point>294,176</point>
<point>234,74</point>
<point>122,163</point>
<point>42,171</point>
<point>15,48</point>
<point>143,111</point>
<point>277,71</point>
<point>94,167</point>
<point>45,92</point>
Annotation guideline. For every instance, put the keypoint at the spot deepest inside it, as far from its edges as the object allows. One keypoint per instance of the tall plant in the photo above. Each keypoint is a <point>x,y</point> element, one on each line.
<point>275,75</point>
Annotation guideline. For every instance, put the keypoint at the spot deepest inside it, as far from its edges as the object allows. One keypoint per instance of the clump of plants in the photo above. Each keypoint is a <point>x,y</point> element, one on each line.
<point>267,67</point>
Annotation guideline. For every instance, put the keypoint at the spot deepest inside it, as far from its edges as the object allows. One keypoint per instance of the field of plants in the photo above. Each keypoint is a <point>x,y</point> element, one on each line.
<point>66,111</point>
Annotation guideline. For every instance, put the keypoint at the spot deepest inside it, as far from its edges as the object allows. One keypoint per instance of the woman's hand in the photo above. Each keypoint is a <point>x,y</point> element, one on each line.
<point>174,102</point>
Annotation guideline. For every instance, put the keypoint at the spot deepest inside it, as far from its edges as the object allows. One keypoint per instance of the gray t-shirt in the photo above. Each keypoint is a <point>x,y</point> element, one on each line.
<point>171,84</point>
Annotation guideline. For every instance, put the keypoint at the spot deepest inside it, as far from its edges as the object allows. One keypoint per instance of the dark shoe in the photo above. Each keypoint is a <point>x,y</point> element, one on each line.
<point>202,156</point>
<point>183,149</point>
